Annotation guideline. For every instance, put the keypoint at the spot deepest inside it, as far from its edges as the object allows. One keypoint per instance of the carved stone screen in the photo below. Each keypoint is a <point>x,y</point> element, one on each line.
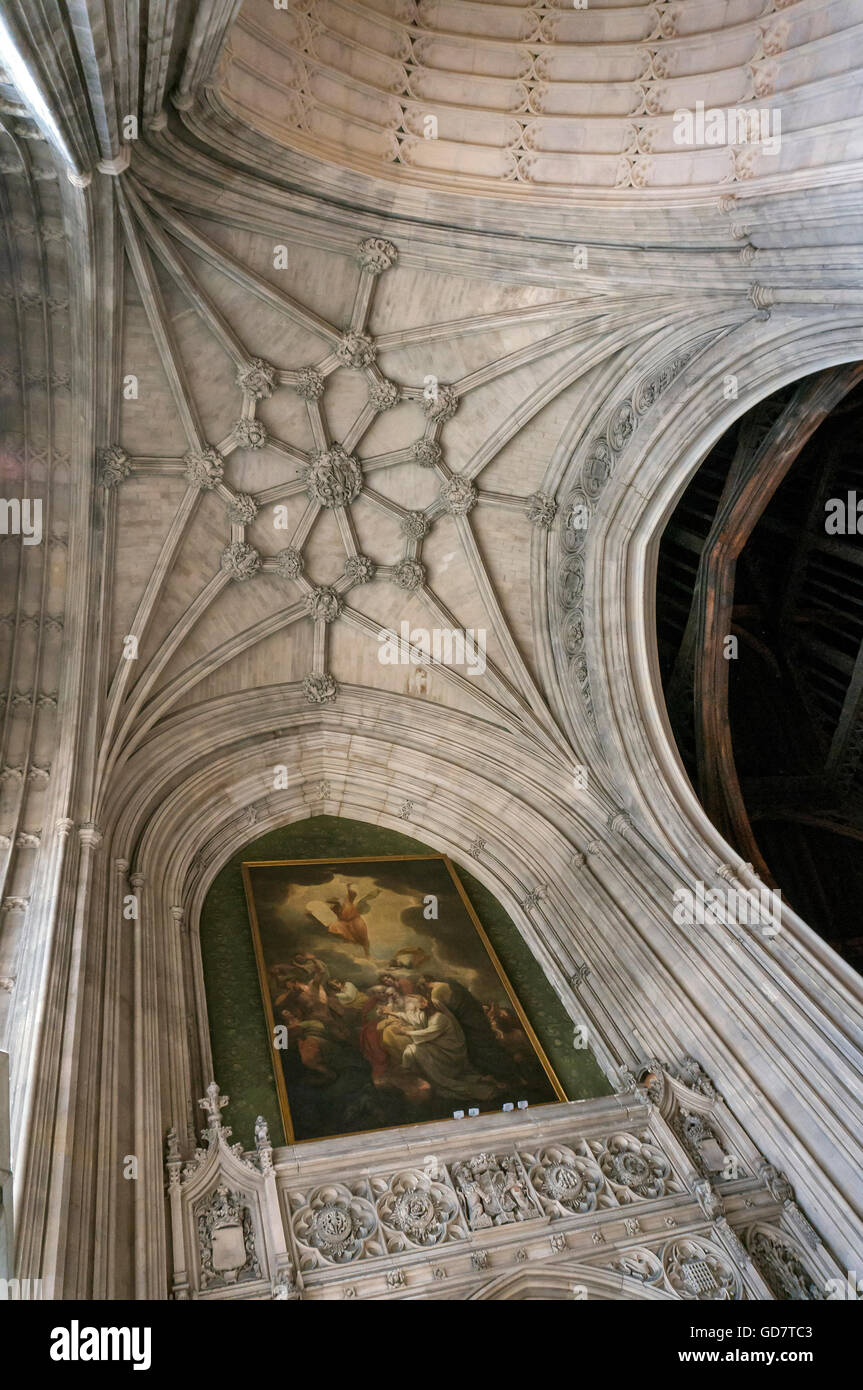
<point>386,1002</point>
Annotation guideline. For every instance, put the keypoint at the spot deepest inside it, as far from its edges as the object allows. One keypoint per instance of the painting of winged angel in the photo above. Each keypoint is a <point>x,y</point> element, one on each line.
<point>386,1001</point>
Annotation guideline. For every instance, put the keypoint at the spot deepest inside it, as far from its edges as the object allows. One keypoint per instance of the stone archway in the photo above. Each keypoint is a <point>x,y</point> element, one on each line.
<point>798,1077</point>
<point>570,1282</point>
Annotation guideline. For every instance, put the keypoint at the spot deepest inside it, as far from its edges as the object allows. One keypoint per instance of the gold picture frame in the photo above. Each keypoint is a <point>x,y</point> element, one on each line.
<point>477,1045</point>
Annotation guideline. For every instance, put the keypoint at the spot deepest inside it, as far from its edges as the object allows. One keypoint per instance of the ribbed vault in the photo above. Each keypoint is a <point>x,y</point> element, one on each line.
<point>528,97</point>
<point>462,425</point>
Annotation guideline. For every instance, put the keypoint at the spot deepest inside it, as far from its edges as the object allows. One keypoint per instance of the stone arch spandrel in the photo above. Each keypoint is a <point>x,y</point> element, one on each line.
<point>805,1060</point>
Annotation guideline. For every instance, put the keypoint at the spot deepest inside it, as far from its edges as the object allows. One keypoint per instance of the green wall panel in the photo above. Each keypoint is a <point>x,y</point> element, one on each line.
<point>238,1029</point>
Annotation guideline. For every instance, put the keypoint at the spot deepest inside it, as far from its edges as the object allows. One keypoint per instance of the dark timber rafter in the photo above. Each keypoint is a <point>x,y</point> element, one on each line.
<point>751,485</point>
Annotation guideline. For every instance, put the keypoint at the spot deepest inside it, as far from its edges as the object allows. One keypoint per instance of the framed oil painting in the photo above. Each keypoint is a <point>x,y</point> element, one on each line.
<point>391,1005</point>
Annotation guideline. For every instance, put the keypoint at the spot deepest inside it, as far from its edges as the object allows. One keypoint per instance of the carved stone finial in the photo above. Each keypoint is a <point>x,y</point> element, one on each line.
<point>213,1104</point>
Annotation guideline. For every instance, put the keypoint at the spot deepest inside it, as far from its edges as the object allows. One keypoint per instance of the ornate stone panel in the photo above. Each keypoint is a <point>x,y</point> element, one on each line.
<point>226,1240</point>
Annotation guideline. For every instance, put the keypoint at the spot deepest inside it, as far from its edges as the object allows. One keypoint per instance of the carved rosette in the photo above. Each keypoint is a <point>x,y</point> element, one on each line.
<point>204,469</point>
<point>383,395</point>
<point>426,452</point>
<point>697,1270</point>
<point>323,604</point>
<point>541,510</point>
<point>417,1211</point>
<point>359,569</point>
<point>289,563</point>
<point>250,434</point>
<point>377,255</point>
<point>409,574</point>
<point>309,385</point>
<point>320,688</point>
<point>355,350</point>
<point>114,465</point>
<point>257,380</point>
<point>415,525</point>
<point>334,1225</point>
<point>568,1184</point>
<point>442,405</point>
<point>634,1168</point>
<point>240,560</point>
<point>458,495</point>
<point>243,509</point>
<point>334,478</point>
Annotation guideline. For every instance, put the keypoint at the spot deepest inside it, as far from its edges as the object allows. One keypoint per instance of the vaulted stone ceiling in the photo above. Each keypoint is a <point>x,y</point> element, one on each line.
<point>523,97</point>
<point>317,455</point>
<point>595,382</point>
